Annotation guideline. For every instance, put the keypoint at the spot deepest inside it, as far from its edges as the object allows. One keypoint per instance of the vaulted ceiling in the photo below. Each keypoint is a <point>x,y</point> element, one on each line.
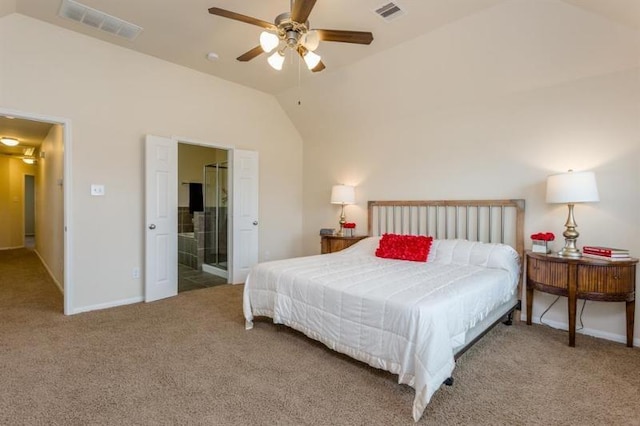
<point>183,32</point>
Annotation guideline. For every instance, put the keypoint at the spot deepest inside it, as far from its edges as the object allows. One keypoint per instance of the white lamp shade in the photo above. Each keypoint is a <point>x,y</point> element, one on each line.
<point>343,194</point>
<point>572,187</point>
<point>276,60</point>
<point>311,40</point>
<point>311,59</point>
<point>268,41</point>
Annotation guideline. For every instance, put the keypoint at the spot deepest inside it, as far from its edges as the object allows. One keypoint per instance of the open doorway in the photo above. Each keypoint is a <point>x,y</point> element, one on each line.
<point>162,187</point>
<point>36,164</point>
<point>203,216</point>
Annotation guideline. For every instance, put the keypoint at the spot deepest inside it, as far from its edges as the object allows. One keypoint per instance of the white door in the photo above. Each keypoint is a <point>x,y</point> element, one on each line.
<point>244,213</point>
<point>161,218</point>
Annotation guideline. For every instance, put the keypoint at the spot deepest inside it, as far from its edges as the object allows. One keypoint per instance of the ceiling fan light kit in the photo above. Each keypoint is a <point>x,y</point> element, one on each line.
<point>291,30</point>
<point>276,60</point>
<point>311,59</point>
<point>268,41</point>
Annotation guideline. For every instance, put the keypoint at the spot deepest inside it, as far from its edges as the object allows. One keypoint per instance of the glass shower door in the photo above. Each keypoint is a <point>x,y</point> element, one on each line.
<point>216,214</point>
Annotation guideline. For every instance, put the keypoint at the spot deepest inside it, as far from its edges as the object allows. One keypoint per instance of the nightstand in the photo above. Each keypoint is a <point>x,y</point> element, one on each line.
<point>334,243</point>
<point>582,278</point>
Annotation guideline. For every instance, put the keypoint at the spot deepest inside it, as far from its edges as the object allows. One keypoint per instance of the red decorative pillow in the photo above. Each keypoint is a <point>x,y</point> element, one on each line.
<point>404,247</point>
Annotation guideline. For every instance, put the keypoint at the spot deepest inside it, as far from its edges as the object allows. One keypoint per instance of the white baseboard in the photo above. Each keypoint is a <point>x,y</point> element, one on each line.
<point>56,282</point>
<point>107,305</point>
<point>586,331</point>
<point>11,248</point>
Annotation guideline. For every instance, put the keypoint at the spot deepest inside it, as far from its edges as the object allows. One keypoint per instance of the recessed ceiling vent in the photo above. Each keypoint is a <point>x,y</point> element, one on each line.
<point>389,11</point>
<point>75,11</point>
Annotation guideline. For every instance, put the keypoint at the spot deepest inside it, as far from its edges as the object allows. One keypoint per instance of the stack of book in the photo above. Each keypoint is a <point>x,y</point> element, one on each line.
<point>606,253</point>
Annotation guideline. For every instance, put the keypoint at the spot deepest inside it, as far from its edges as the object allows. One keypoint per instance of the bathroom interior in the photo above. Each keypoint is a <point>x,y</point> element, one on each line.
<point>203,197</point>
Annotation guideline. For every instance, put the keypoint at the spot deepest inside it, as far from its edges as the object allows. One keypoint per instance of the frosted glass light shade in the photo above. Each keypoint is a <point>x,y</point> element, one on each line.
<point>276,60</point>
<point>343,194</point>
<point>572,187</point>
<point>311,59</point>
<point>268,41</point>
<point>10,141</point>
<point>311,40</point>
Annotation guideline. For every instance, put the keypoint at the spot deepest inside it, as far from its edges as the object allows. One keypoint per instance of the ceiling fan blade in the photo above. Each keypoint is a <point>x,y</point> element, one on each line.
<point>241,18</point>
<point>301,10</point>
<point>250,54</point>
<point>357,37</point>
<point>319,67</point>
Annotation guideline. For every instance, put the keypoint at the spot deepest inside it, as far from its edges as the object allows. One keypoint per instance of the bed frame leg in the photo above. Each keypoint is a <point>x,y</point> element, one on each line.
<point>449,381</point>
<point>509,320</point>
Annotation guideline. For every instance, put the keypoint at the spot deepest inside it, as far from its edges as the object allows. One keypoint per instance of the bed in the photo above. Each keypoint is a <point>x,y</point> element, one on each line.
<point>413,319</point>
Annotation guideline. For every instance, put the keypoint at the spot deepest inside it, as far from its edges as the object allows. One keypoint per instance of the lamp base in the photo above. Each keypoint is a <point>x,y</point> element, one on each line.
<point>570,252</point>
<point>570,237</point>
<point>343,220</point>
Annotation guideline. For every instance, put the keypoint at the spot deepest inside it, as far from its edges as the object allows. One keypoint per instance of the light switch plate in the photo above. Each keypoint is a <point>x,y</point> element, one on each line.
<point>97,190</point>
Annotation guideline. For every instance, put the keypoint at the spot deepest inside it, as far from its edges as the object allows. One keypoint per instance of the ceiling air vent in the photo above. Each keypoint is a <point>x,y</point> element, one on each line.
<point>389,11</point>
<point>75,11</point>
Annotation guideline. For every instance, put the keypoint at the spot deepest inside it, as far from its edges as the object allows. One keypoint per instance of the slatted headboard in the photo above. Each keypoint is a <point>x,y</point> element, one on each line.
<point>489,221</point>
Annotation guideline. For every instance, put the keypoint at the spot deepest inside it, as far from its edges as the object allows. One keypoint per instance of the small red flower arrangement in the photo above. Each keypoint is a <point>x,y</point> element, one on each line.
<point>350,229</point>
<point>543,236</point>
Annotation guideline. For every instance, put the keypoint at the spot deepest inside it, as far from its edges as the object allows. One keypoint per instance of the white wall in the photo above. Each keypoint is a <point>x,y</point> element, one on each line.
<point>113,97</point>
<point>7,7</point>
<point>486,107</point>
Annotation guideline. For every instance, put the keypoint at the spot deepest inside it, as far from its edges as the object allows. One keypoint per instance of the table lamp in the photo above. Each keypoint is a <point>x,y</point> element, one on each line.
<point>571,188</point>
<point>343,195</point>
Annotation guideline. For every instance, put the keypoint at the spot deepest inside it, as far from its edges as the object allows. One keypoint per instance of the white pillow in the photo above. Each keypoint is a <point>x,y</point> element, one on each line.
<point>488,255</point>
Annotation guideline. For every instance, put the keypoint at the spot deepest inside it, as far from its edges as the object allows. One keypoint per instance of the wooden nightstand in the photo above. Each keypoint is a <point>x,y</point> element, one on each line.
<point>333,243</point>
<point>583,278</point>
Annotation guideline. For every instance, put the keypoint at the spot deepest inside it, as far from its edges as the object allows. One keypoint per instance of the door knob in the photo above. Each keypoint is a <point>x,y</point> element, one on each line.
<point>152,226</point>
<point>255,223</point>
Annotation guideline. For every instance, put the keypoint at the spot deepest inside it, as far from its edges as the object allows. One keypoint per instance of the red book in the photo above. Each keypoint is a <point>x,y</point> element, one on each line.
<point>610,255</point>
<point>605,251</point>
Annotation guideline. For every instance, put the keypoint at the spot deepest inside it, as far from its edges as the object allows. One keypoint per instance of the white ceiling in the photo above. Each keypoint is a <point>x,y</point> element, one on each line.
<point>29,134</point>
<point>183,32</point>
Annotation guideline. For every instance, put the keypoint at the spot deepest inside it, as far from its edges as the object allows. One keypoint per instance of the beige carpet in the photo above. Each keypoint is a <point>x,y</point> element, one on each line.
<point>188,360</point>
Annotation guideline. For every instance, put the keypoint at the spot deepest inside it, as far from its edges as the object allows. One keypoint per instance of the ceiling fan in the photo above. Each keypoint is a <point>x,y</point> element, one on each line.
<point>291,30</point>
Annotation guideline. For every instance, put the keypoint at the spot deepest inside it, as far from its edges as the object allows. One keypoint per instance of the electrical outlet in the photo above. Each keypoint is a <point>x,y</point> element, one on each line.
<point>267,255</point>
<point>135,273</point>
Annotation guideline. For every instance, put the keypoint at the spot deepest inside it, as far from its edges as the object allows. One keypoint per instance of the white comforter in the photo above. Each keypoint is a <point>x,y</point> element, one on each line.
<point>401,316</point>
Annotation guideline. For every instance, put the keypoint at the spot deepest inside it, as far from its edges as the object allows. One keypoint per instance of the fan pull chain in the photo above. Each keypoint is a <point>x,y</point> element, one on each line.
<point>299,79</point>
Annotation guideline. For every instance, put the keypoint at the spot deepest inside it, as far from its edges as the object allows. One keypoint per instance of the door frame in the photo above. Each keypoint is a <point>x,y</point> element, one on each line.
<point>67,196</point>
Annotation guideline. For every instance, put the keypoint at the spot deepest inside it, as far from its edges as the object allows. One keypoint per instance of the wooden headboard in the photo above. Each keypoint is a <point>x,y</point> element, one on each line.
<point>489,221</point>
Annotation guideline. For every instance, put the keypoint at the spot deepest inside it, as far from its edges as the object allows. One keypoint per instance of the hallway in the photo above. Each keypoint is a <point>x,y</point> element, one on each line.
<point>24,282</point>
